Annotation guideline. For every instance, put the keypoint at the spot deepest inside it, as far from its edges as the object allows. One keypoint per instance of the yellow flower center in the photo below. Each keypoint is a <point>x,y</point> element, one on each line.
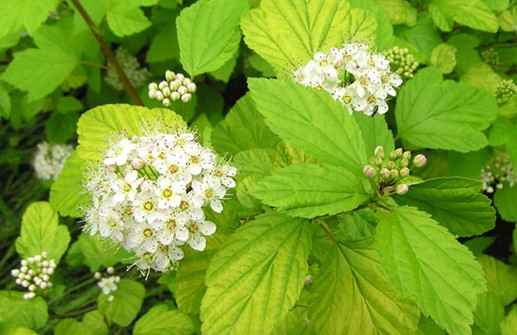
<point>148,206</point>
<point>167,193</point>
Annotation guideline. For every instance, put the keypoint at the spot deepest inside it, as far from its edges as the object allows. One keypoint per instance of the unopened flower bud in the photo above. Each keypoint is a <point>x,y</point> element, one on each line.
<point>186,82</point>
<point>169,75</point>
<point>174,85</point>
<point>191,87</point>
<point>152,87</point>
<point>406,155</point>
<point>152,94</point>
<point>308,280</point>
<point>402,189</point>
<point>378,161</point>
<point>44,254</point>
<point>369,171</point>
<point>159,96</point>
<point>163,84</point>
<point>180,77</point>
<point>111,298</point>
<point>186,97</point>
<point>419,160</point>
<point>166,102</point>
<point>175,96</point>
<point>394,174</point>
<point>29,295</point>
<point>396,154</point>
<point>404,162</point>
<point>166,91</point>
<point>32,288</point>
<point>137,163</point>
<point>391,165</point>
<point>385,173</point>
<point>182,90</point>
<point>379,152</point>
<point>110,270</point>
<point>97,275</point>
<point>404,172</point>
<point>15,273</point>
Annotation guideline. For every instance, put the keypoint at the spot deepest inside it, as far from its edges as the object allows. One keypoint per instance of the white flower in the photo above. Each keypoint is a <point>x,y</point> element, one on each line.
<point>49,159</point>
<point>107,285</point>
<point>148,195</point>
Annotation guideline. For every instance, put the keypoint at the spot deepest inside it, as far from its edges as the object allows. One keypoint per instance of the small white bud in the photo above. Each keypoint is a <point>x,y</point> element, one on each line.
<point>32,288</point>
<point>43,285</point>
<point>30,260</point>
<point>169,75</point>
<point>45,277</point>
<point>163,84</point>
<point>111,298</point>
<point>182,90</point>
<point>159,96</point>
<point>37,258</point>
<point>186,82</point>
<point>152,87</point>
<point>24,262</point>
<point>111,270</point>
<point>50,271</point>
<point>45,264</point>
<point>152,94</point>
<point>97,275</point>
<point>175,96</point>
<point>29,295</point>
<point>15,273</point>
<point>191,87</point>
<point>25,283</point>
<point>186,97</point>
<point>24,269</point>
<point>166,102</point>
<point>180,77</point>
<point>18,281</point>
<point>166,92</point>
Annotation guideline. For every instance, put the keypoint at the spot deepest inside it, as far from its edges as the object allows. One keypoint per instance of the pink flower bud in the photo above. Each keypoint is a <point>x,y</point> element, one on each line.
<point>379,152</point>
<point>402,189</point>
<point>404,172</point>
<point>419,160</point>
<point>137,163</point>
<point>369,171</point>
<point>191,87</point>
<point>163,84</point>
<point>186,97</point>
<point>182,90</point>
<point>175,96</point>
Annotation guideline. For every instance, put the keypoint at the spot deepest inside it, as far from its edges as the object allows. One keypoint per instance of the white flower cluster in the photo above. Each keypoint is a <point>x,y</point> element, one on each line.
<point>175,87</point>
<point>34,274</point>
<point>49,159</point>
<point>107,283</point>
<point>497,171</point>
<point>137,75</point>
<point>149,192</point>
<point>361,80</point>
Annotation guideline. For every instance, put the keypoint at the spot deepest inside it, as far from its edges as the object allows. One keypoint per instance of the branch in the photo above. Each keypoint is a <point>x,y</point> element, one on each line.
<point>109,54</point>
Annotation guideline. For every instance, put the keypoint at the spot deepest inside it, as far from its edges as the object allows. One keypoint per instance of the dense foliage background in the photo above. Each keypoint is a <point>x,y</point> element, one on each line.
<point>307,242</point>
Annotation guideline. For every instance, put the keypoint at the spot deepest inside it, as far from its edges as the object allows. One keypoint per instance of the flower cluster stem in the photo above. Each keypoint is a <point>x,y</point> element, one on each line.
<point>108,53</point>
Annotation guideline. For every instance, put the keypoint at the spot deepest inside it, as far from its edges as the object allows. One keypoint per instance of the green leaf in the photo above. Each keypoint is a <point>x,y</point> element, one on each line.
<point>439,114</point>
<point>98,254</point>
<point>16,331</point>
<point>224,72</point>
<point>383,37</point>
<point>375,132</point>
<point>309,191</point>
<point>424,260</point>
<point>164,46</point>
<point>466,165</point>
<point>41,232</point>
<point>360,25</point>
<point>126,18</point>
<point>257,276</point>
<point>399,11</point>
<point>504,201</point>
<point>191,274</point>
<point>501,131</point>
<point>67,194</point>
<point>40,71</point>
<point>26,14</point>
<point>18,312</point>
<point>474,14</point>
<point>5,104</point>
<point>67,104</point>
<point>479,244</point>
<point>501,279</point>
<point>466,54</point>
<point>289,33</point>
<point>259,161</point>
<point>127,301</point>
<point>71,327</point>
<point>159,320</point>
<point>509,324</point>
<point>428,327</point>
<point>423,35</point>
<point>206,43</point>
<point>454,202</point>
<point>286,155</point>
<point>98,125</point>
<point>94,320</point>
<point>482,76</point>
<point>243,128</point>
<point>352,294</point>
<point>60,128</point>
<point>443,57</point>
<point>488,315</point>
<point>310,120</point>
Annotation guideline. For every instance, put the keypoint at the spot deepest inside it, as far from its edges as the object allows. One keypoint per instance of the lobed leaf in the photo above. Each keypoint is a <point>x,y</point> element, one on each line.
<point>310,120</point>
<point>26,14</point>
<point>309,191</point>
<point>126,18</point>
<point>208,34</point>
<point>424,260</point>
<point>454,202</point>
<point>128,299</point>
<point>41,232</point>
<point>475,14</point>
<point>501,279</point>
<point>257,276</point>
<point>437,114</point>
<point>352,294</point>
<point>288,33</point>
<point>159,320</point>
<point>18,312</point>
<point>67,194</point>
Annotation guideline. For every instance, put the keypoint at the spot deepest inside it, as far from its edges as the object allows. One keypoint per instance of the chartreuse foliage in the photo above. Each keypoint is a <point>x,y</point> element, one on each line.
<point>308,242</point>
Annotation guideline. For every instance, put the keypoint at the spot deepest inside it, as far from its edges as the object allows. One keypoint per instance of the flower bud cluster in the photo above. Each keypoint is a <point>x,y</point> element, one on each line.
<point>402,61</point>
<point>388,172</point>
<point>137,75</point>
<point>149,192</point>
<point>505,91</point>
<point>34,274</point>
<point>49,159</point>
<point>497,171</point>
<point>490,56</point>
<point>175,87</point>
<point>360,79</point>
<point>107,282</point>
